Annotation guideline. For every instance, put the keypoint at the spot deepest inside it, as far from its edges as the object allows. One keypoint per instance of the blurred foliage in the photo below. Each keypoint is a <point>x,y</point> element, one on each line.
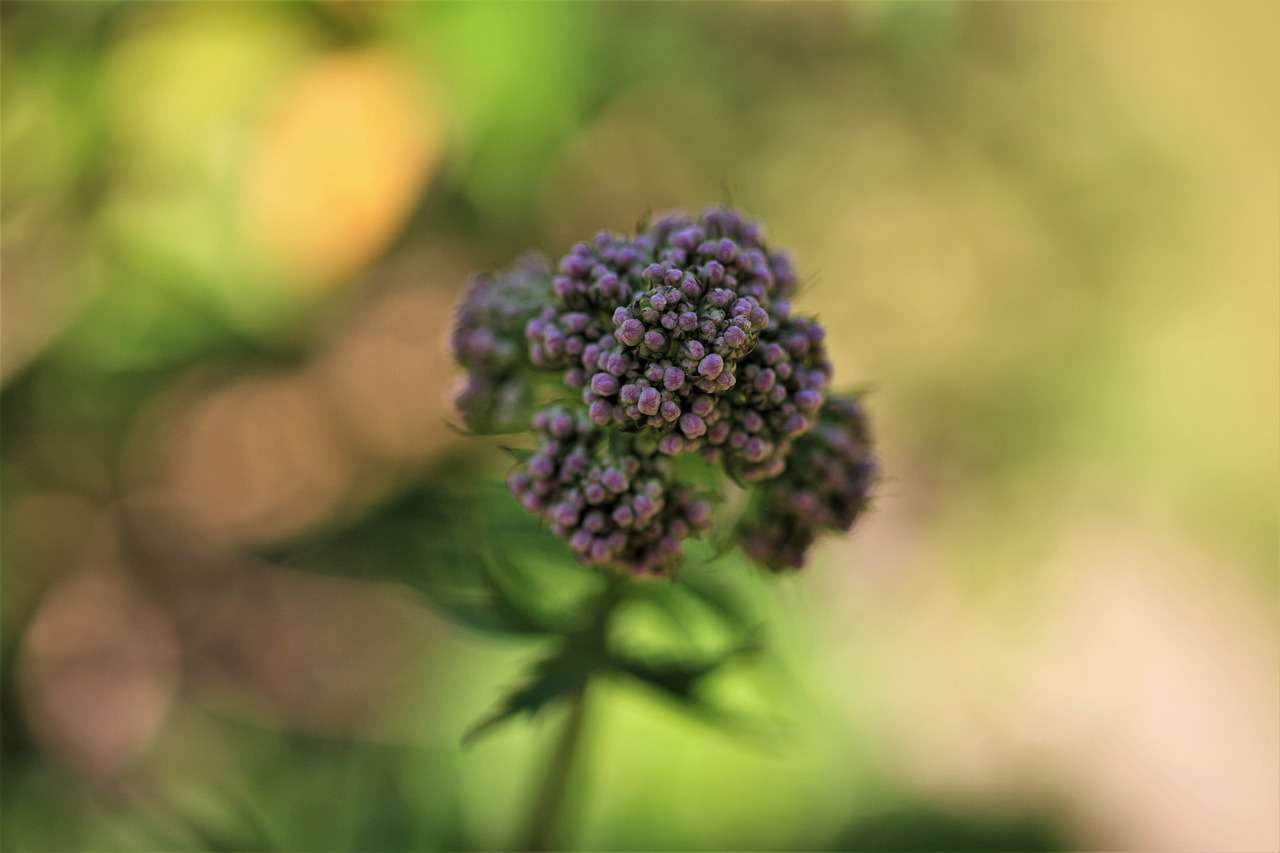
<point>232,237</point>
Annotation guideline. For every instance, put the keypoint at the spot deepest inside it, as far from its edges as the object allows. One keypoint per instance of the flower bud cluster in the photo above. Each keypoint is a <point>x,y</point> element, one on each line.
<point>487,342</point>
<point>826,486</point>
<point>613,506</point>
<point>783,386</point>
<point>651,329</point>
<point>677,339</point>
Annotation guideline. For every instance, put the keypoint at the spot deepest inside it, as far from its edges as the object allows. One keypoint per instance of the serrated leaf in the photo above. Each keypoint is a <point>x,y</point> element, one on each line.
<point>553,678</point>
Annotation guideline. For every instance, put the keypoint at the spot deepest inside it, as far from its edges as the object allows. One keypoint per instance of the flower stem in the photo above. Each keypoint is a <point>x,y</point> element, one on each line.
<point>547,810</point>
<point>549,806</point>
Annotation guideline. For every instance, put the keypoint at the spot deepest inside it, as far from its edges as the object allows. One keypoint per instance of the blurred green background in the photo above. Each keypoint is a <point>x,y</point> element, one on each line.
<point>239,537</point>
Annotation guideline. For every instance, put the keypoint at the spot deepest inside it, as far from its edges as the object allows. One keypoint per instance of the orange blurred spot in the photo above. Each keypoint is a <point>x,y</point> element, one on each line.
<point>257,461</point>
<point>337,167</point>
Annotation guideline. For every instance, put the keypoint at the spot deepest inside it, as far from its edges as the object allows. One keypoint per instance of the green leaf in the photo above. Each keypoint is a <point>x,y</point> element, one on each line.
<point>678,679</point>
<point>553,678</point>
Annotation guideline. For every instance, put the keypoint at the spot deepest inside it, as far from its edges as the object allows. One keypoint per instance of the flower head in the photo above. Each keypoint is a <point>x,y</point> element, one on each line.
<point>826,486</point>
<point>487,342</point>
<point>677,339</point>
<point>668,314</point>
<point>613,505</point>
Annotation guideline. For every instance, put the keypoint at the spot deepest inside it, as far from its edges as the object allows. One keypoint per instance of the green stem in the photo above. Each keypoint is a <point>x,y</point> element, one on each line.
<point>548,808</point>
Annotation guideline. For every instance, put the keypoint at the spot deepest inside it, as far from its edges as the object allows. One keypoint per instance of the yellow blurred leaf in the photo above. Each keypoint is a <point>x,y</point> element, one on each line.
<point>337,166</point>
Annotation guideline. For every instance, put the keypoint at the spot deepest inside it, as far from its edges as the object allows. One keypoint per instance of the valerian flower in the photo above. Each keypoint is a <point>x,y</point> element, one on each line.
<point>677,339</point>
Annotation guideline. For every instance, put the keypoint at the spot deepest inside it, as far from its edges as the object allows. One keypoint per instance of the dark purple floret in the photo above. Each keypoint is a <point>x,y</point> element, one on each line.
<point>622,509</point>
<point>826,487</point>
<point>487,343</point>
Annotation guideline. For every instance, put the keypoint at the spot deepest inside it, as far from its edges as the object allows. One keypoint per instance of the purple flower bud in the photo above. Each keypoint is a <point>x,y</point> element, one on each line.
<point>654,339</point>
<point>692,425</point>
<point>616,363</point>
<point>808,401</point>
<point>614,480</point>
<point>711,366</point>
<point>600,551</point>
<point>629,394</point>
<point>671,444</point>
<point>694,349</point>
<point>735,337</point>
<point>600,412</point>
<point>580,541</point>
<point>541,466</point>
<point>756,449</point>
<point>673,378</point>
<point>699,513</point>
<point>604,385</point>
<point>623,516</point>
<point>765,380</point>
<point>574,265</point>
<point>595,494</point>
<point>670,410</point>
<point>649,401</point>
<point>713,271</point>
<point>727,250</point>
<point>608,283</point>
<point>561,425</point>
<point>795,424</point>
<point>631,332</point>
<point>565,514</point>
